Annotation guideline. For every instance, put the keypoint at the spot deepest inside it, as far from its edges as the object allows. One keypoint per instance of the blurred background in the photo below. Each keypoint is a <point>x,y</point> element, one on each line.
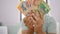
<point>10,17</point>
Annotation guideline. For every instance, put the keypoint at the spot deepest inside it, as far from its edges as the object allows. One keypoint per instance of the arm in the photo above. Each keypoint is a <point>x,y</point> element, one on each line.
<point>40,32</point>
<point>30,31</point>
<point>29,24</point>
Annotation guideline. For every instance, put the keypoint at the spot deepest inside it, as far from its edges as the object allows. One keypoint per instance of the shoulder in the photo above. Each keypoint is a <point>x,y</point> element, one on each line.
<point>49,24</point>
<point>49,18</point>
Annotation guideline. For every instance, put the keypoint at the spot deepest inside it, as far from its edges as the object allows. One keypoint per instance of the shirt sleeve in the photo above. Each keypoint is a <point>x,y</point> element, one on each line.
<point>51,25</point>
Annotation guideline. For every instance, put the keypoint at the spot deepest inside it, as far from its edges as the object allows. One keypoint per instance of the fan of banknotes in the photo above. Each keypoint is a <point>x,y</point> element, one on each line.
<point>29,5</point>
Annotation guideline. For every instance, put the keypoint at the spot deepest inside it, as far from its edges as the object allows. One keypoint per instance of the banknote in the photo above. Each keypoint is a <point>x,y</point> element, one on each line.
<point>36,5</point>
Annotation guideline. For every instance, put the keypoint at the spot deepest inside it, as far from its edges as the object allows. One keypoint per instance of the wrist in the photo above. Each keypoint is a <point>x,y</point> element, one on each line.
<point>30,31</point>
<point>40,31</point>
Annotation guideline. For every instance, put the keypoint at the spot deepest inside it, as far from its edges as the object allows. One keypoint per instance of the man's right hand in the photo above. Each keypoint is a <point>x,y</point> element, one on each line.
<point>27,21</point>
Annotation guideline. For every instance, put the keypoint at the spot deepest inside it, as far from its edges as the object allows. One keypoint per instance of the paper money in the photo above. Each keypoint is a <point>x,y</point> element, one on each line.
<point>36,5</point>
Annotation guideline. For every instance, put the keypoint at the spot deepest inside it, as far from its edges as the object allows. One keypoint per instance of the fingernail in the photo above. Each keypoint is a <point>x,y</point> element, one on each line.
<point>33,25</point>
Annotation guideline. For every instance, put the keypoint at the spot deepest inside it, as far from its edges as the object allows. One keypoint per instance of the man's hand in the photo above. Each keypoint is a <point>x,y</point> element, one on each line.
<point>33,21</point>
<point>38,21</point>
<point>28,22</point>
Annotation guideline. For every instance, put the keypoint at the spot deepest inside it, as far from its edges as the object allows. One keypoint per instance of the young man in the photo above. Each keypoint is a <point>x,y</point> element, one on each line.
<point>42,24</point>
<point>38,24</point>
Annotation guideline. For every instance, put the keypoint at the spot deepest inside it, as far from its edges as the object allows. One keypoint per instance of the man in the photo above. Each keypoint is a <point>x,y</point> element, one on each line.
<point>42,24</point>
<point>38,24</point>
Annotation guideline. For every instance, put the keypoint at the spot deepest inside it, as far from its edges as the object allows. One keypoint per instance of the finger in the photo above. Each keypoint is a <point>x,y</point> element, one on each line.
<point>41,14</point>
<point>24,19</point>
<point>33,20</point>
<point>29,15</point>
<point>35,17</point>
<point>36,14</point>
<point>33,12</point>
<point>35,27</point>
<point>29,12</point>
<point>28,22</point>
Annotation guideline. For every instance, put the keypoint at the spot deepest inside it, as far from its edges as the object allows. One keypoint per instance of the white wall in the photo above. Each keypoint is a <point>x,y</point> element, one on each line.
<point>55,12</point>
<point>9,16</point>
<point>55,9</point>
<point>8,12</point>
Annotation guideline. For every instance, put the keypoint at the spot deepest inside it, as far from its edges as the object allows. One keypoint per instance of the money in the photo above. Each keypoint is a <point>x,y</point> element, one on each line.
<point>36,5</point>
